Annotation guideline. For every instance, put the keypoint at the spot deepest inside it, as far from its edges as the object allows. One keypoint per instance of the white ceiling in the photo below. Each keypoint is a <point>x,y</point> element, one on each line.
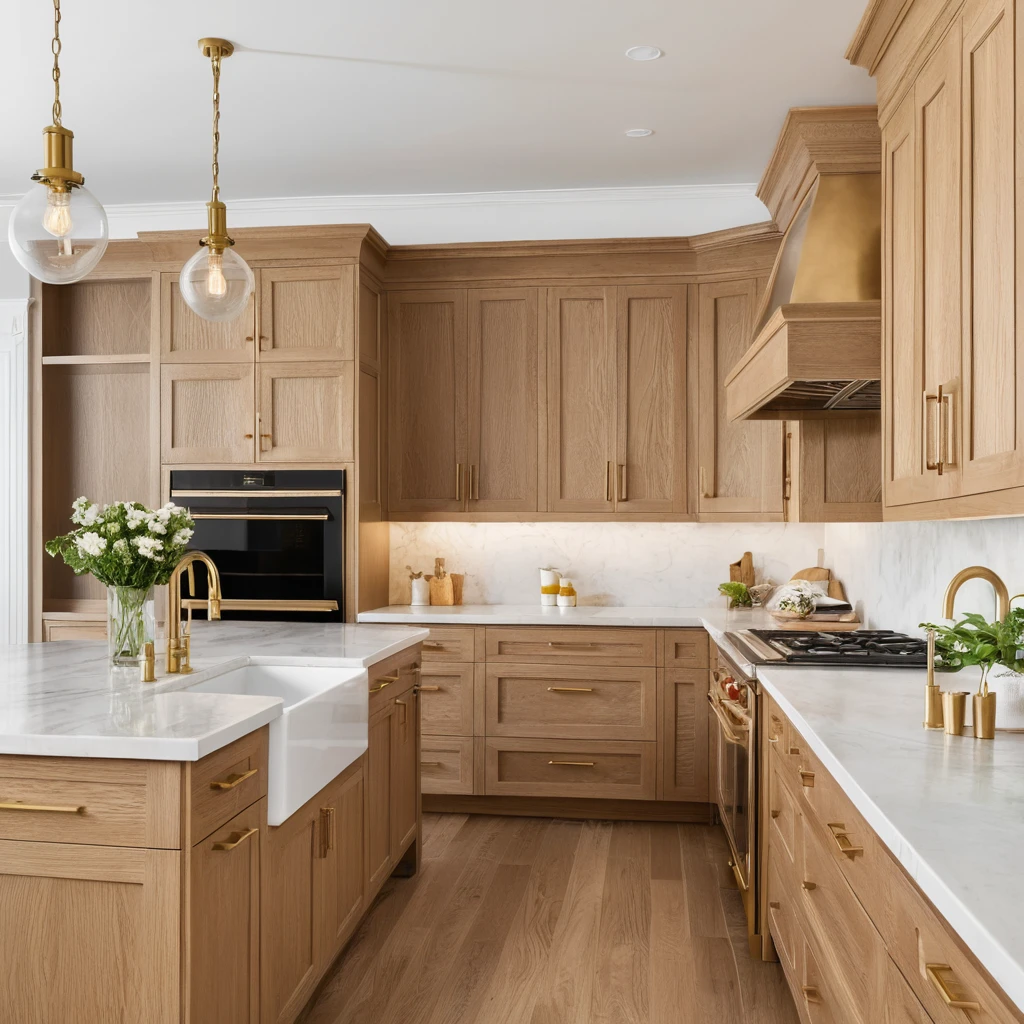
<point>330,97</point>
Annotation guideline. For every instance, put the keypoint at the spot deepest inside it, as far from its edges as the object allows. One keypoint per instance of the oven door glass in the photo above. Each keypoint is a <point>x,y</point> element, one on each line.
<point>733,781</point>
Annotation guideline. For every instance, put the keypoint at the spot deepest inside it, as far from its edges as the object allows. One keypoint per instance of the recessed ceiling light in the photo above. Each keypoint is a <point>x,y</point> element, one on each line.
<point>643,53</point>
<point>639,133</point>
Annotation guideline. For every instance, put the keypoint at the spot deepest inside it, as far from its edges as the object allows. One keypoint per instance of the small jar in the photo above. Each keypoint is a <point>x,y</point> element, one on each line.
<point>566,593</point>
<point>549,587</point>
<point>420,590</point>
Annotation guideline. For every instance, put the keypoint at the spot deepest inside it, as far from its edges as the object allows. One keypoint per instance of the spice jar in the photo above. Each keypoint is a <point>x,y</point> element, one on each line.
<point>566,593</point>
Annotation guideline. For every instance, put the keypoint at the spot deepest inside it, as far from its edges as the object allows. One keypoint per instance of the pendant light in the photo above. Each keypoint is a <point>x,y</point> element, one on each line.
<point>216,282</point>
<point>58,233</point>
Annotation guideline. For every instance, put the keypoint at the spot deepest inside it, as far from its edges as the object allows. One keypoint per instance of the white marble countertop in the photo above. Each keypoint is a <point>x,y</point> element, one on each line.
<point>63,699</point>
<point>950,808</point>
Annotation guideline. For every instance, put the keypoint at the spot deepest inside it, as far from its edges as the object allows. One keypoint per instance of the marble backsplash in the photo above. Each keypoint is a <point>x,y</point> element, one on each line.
<point>896,573</point>
<point>670,564</point>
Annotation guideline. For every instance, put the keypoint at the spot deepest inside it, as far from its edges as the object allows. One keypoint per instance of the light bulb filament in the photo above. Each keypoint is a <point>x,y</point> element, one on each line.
<point>216,284</point>
<point>57,218</point>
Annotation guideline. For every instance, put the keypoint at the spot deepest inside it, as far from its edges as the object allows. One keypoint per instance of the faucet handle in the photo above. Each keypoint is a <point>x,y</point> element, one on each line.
<point>185,664</point>
<point>213,608</point>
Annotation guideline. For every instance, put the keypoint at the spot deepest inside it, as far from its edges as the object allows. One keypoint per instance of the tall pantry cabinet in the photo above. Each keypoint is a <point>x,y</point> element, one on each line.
<point>953,380</point>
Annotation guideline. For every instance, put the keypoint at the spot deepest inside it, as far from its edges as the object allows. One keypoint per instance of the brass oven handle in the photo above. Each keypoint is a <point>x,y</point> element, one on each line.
<point>842,838</point>
<point>934,972</point>
<point>570,689</point>
<point>235,779</point>
<point>731,732</point>
<point>926,398</point>
<point>235,839</point>
<point>575,764</point>
<point>738,876</point>
<point>427,689</point>
<point>18,805</point>
<point>319,516</point>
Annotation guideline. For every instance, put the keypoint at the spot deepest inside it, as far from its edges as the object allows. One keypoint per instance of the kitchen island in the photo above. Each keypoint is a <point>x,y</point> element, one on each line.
<point>139,877</point>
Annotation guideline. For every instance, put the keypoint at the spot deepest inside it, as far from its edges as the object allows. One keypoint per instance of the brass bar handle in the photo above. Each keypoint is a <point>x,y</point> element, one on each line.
<point>730,731</point>
<point>608,481</point>
<point>928,463</point>
<point>570,689</point>
<point>809,886</point>
<point>574,764</point>
<point>775,812</point>
<point>842,838</point>
<point>704,492</point>
<point>622,481</point>
<point>569,643</point>
<point>947,428</point>
<point>738,876</point>
<point>806,779</point>
<point>319,516</point>
<point>379,687</point>
<point>235,779</point>
<point>431,764</point>
<point>458,481</point>
<point>18,805</point>
<point>427,689</point>
<point>235,839</point>
<point>935,972</point>
<point>432,645</point>
<point>811,993</point>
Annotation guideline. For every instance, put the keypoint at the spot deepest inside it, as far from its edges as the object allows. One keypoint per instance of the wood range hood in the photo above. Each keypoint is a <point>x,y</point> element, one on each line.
<point>817,349</point>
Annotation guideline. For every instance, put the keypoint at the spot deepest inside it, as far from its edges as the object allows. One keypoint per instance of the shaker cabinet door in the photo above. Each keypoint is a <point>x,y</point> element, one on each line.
<point>307,312</point>
<point>185,337</point>
<point>206,412</point>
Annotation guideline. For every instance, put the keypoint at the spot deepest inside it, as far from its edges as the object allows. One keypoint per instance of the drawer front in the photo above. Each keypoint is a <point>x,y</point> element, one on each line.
<point>602,769</point>
<point>932,962</point>
<point>580,645</point>
<point>91,801</point>
<point>782,921</point>
<point>388,677</point>
<point>571,703</point>
<point>900,1005</point>
<point>446,704</point>
<point>227,781</point>
<point>69,629</point>
<point>817,997</point>
<point>449,643</point>
<point>446,764</point>
<point>851,950</point>
<point>784,822</point>
<point>776,728</point>
<point>685,648</point>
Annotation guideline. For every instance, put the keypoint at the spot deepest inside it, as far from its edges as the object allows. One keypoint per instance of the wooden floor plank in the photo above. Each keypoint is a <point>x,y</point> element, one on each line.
<point>539,921</point>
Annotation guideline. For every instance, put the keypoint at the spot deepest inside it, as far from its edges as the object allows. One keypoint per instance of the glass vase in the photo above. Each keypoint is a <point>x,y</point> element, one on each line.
<point>131,621</point>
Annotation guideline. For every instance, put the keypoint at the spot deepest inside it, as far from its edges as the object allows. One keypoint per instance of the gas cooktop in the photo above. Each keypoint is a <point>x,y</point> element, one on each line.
<point>862,647</point>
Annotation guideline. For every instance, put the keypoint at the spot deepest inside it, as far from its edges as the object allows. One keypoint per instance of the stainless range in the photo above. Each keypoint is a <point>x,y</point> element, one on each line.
<point>858,648</point>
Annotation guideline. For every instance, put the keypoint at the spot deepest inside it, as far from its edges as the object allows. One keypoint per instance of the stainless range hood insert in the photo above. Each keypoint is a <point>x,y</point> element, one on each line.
<point>817,338</point>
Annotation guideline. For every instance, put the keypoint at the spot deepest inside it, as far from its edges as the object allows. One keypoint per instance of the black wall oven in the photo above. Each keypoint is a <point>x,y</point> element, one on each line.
<point>277,538</point>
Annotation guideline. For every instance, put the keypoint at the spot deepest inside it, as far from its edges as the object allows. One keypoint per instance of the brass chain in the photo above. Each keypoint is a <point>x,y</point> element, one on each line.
<point>55,47</point>
<point>215,61</point>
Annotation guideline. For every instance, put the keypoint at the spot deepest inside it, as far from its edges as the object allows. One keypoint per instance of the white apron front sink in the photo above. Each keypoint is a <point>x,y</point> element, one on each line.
<point>321,731</point>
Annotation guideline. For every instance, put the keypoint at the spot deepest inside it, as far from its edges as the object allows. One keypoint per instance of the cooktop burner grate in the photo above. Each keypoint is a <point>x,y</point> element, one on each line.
<point>882,647</point>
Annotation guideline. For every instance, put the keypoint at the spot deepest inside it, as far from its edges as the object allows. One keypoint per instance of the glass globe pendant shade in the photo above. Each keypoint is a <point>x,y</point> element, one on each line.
<point>216,285</point>
<point>58,235</point>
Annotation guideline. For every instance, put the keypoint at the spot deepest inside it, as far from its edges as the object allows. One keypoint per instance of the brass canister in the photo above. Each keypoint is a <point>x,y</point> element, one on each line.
<point>954,711</point>
<point>932,691</point>
<point>985,715</point>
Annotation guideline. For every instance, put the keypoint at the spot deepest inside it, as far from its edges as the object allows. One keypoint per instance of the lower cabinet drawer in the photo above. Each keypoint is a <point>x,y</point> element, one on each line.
<point>227,781</point>
<point>572,645</point>
<point>571,703</point>
<point>74,629</point>
<point>450,643</point>
<point>446,764</point>
<point>782,920</point>
<point>899,1004</point>
<point>603,769</point>
<point>784,823</point>
<point>686,648</point>
<point>446,701</point>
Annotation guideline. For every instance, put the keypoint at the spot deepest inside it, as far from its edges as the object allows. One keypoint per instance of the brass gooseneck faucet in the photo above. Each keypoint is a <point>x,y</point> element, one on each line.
<point>976,572</point>
<point>179,645</point>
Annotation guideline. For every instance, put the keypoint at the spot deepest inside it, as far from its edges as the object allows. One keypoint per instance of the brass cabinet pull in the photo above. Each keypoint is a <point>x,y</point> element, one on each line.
<point>256,516</point>
<point>704,483</point>
<point>427,689</point>
<point>740,881</point>
<point>842,838</point>
<point>235,779</point>
<point>327,830</point>
<point>377,689</point>
<point>608,481</point>
<point>248,437</point>
<point>807,778</point>
<point>432,645</point>
<point>458,481</point>
<point>18,805</point>
<point>575,764</point>
<point>569,643</point>
<point>809,886</point>
<point>250,338</point>
<point>775,812</point>
<point>431,764</point>
<point>570,689</point>
<point>947,427</point>
<point>622,481</point>
<point>935,972</point>
<point>928,462</point>
<point>811,993</point>
<point>795,751</point>
<point>235,839</point>
<point>774,904</point>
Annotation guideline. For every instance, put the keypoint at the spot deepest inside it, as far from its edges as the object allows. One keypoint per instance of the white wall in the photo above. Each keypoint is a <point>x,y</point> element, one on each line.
<point>896,573</point>
<point>670,564</point>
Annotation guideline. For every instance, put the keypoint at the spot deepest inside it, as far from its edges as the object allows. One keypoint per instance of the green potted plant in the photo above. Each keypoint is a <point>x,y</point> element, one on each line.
<point>738,594</point>
<point>130,549</point>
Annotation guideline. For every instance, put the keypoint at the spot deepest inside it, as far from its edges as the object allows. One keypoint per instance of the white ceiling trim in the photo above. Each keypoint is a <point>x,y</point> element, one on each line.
<point>474,216</point>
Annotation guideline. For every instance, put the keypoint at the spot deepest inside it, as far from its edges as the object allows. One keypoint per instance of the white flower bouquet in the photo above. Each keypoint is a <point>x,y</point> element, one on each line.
<point>130,549</point>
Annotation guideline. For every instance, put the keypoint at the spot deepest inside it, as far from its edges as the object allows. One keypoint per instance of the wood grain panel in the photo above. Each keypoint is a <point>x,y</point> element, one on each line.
<point>450,643</point>
<point>446,763</point>
<point>685,648</point>
<point>89,450</point>
<point>379,773</point>
<point>740,464</point>
<point>187,337</point>
<point>684,734</point>
<point>427,401</point>
<point>307,311</point>
<point>343,879</point>
<point>579,645</point>
<point>652,405</point>
<point>567,702</point>
<point>94,318</point>
<point>206,411</point>
<point>210,805</point>
<point>447,696</point>
<point>370,323</point>
<point>581,399</point>
<point>307,408</point>
<point>503,357</point>
<point>607,769</point>
<point>90,934</point>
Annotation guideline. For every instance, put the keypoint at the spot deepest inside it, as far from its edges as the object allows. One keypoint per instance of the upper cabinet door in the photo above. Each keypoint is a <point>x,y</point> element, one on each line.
<point>186,337</point>
<point>650,474</point>
<point>428,450</point>
<point>993,371</point>
<point>307,312</point>
<point>503,346</point>
<point>206,414</point>
<point>305,412</point>
<point>581,399</point>
<point>740,464</point>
